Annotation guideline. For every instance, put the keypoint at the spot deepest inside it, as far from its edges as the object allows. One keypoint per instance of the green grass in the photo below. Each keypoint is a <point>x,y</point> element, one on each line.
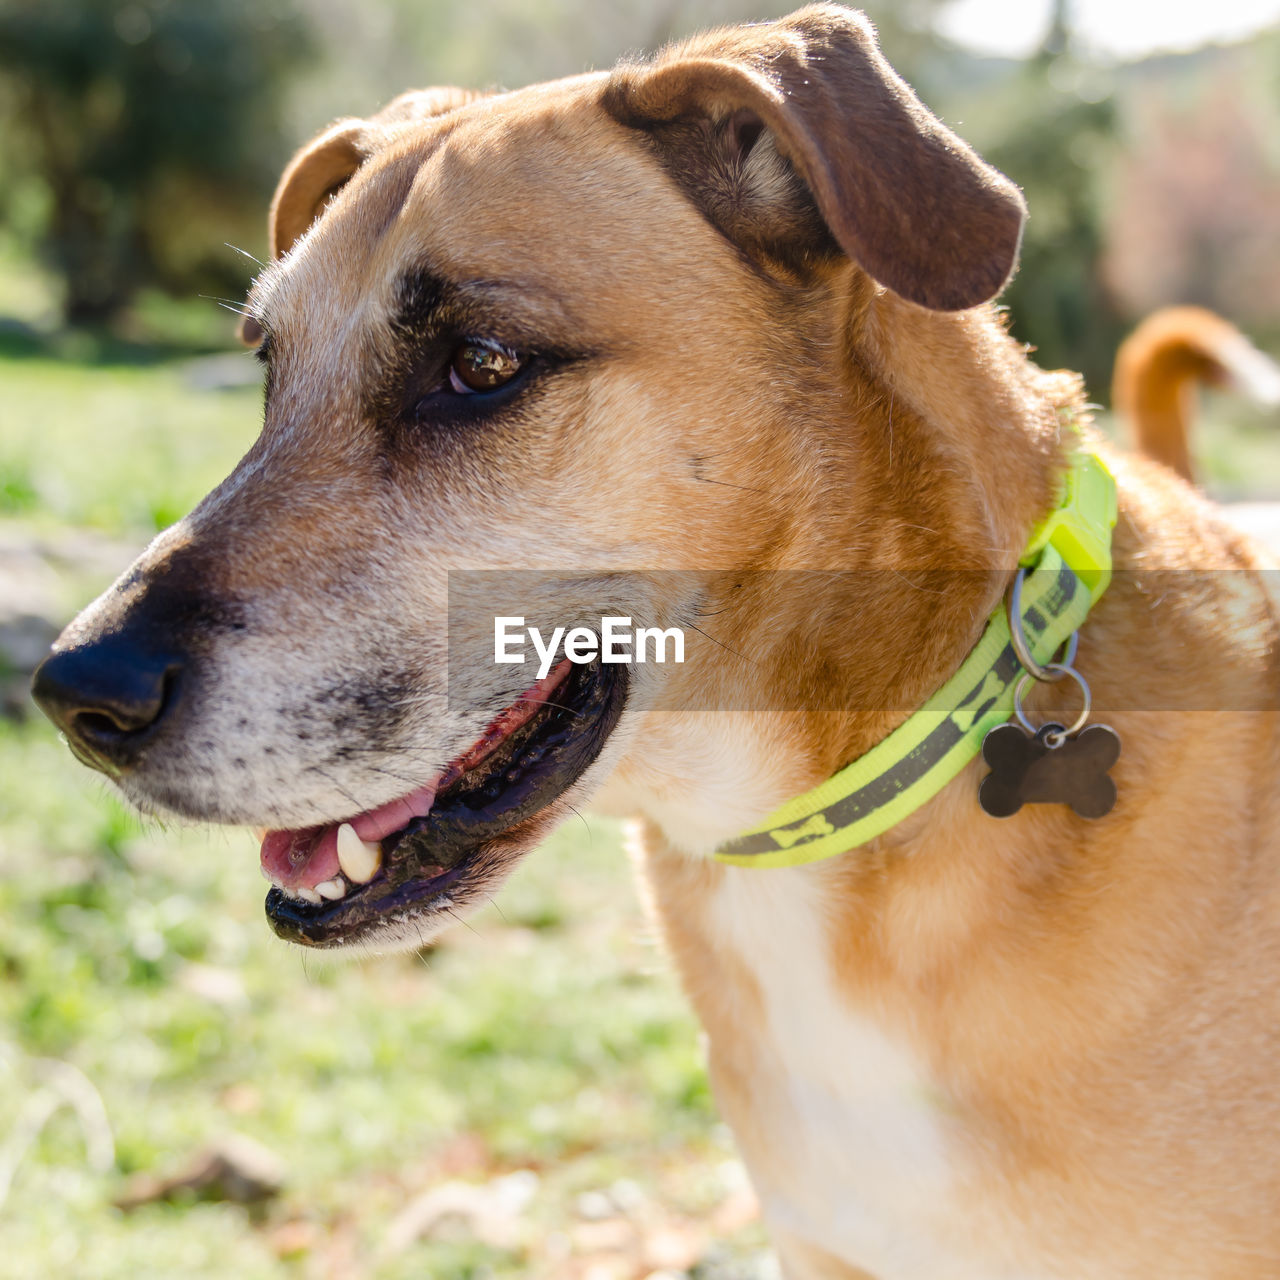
<point>116,447</point>
<point>547,1035</point>
<point>1235,445</point>
<point>1238,447</point>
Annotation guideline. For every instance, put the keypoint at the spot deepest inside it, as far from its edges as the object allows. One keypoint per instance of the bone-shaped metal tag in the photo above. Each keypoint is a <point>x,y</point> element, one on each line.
<point>1026,769</point>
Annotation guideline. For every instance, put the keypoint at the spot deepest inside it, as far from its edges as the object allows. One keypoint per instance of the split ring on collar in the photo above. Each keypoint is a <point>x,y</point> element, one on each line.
<point>1051,671</point>
<point>1057,736</point>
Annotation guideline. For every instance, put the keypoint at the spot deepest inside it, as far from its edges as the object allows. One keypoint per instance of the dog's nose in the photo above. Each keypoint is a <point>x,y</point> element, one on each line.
<point>108,698</point>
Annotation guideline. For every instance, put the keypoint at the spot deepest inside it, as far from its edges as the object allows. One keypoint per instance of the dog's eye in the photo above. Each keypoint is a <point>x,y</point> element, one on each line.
<point>479,365</point>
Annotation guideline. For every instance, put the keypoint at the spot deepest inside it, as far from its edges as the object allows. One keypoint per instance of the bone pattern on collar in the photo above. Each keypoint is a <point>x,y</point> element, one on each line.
<point>909,767</point>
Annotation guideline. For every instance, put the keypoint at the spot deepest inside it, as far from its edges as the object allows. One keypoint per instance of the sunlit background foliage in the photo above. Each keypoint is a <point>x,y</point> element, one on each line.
<point>141,137</point>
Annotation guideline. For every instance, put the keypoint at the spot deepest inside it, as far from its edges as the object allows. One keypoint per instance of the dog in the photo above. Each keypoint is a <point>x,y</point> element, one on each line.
<point>1159,365</point>
<point>702,324</point>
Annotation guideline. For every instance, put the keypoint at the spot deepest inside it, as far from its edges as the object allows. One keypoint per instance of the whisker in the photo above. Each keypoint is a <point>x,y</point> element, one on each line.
<point>226,306</point>
<point>500,702</point>
<point>429,763</point>
<point>235,248</point>
<point>891,395</point>
<point>543,702</point>
<point>315,768</point>
<point>462,920</point>
<point>915,586</point>
<point>400,777</point>
<point>746,488</point>
<point>721,643</point>
<point>590,834</point>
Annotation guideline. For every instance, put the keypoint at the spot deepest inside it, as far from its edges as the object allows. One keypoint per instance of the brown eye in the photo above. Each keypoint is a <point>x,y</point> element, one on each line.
<point>479,365</point>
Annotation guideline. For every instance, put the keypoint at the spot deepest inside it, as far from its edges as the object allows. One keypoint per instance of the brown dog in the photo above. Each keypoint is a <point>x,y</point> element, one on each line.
<point>727,311</point>
<point>1162,362</point>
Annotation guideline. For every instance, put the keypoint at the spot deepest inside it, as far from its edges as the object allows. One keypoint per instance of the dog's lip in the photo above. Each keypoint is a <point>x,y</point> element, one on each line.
<point>479,826</point>
<point>298,860</point>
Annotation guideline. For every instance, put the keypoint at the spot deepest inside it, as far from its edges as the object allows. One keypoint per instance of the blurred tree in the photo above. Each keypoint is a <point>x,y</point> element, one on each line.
<point>1050,124</point>
<point>138,123</point>
<point>1058,149</point>
<point>403,44</point>
<point>1195,215</point>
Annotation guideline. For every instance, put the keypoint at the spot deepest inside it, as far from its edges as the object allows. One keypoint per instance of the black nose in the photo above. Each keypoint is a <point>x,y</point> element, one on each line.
<point>108,697</point>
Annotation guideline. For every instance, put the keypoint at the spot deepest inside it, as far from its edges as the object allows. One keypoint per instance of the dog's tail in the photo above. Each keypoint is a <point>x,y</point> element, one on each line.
<point>1159,365</point>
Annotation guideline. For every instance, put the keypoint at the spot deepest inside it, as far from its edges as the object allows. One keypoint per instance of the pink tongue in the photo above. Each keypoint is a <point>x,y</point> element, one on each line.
<point>309,856</point>
<point>302,859</point>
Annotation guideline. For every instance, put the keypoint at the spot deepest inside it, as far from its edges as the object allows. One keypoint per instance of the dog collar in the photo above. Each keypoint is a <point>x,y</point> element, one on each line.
<point>1068,564</point>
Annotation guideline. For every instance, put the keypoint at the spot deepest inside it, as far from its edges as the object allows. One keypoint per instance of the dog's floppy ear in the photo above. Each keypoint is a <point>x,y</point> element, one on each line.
<point>327,163</point>
<point>736,114</point>
<point>311,179</point>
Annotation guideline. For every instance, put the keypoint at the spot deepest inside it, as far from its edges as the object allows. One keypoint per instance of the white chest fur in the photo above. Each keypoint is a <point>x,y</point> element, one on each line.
<point>857,1159</point>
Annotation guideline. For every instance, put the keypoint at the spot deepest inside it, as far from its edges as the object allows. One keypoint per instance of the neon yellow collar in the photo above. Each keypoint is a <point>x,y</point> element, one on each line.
<point>1069,567</point>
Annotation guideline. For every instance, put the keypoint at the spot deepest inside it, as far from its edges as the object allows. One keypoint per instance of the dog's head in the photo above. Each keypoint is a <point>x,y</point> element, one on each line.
<point>584,327</point>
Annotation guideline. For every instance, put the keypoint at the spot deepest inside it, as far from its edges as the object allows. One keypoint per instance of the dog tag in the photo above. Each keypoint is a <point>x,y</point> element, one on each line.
<point>1047,767</point>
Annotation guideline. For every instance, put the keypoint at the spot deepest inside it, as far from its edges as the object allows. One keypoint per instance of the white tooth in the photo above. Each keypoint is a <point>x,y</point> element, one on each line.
<point>359,859</point>
<point>259,833</point>
<point>307,895</point>
<point>332,889</point>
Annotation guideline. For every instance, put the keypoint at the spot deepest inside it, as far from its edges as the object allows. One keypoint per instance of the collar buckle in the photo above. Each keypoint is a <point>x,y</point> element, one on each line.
<point>1079,528</point>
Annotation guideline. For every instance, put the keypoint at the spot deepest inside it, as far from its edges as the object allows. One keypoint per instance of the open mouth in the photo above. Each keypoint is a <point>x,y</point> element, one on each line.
<point>426,852</point>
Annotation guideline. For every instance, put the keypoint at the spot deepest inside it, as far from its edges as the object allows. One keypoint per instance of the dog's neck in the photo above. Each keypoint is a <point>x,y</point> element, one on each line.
<point>917,530</point>
<point>956,457</point>
<point>986,422</point>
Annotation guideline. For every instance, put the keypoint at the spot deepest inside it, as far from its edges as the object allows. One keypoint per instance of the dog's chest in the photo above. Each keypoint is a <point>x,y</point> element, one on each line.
<point>845,1133</point>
